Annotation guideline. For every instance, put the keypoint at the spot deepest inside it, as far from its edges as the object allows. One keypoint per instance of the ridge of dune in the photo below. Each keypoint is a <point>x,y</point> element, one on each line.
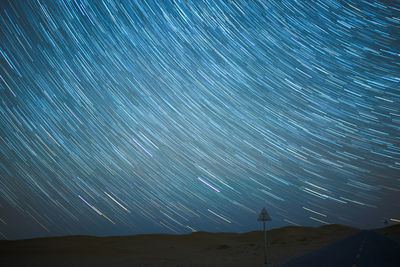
<point>193,249</point>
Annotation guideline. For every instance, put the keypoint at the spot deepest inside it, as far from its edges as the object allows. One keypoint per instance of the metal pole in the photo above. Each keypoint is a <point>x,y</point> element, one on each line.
<point>265,245</point>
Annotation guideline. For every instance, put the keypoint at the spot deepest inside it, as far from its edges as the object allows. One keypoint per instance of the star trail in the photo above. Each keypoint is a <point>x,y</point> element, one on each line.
<point>127,117</point>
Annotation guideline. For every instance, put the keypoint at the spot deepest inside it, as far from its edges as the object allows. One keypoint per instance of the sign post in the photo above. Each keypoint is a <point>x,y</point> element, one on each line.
<point>263,218</point>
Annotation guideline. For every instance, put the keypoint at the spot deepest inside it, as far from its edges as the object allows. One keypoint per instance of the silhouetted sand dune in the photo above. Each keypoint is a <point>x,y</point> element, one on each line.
<point>392,231</point>
<point>195,249</point>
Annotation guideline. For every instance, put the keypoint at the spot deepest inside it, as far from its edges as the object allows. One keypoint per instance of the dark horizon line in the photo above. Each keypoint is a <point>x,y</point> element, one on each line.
<point>195,232</point>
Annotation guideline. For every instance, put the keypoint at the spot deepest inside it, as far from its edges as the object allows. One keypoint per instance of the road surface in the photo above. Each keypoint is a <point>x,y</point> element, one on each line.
<point>364,249</point>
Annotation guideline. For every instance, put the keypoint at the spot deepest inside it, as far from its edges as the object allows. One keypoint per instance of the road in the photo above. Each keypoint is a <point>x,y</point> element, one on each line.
<point>364,249</point>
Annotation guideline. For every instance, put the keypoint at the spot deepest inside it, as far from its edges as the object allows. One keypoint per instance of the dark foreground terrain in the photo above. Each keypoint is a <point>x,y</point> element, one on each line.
<point>285,245</point>
<point>366,249</point>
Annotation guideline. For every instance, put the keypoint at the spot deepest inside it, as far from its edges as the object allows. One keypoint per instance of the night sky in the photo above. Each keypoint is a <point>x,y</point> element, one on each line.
<point>120,118</point>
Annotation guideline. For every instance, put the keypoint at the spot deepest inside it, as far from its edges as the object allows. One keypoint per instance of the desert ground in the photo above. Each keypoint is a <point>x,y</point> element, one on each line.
<point>195,249</point>
<point>392,232</point>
